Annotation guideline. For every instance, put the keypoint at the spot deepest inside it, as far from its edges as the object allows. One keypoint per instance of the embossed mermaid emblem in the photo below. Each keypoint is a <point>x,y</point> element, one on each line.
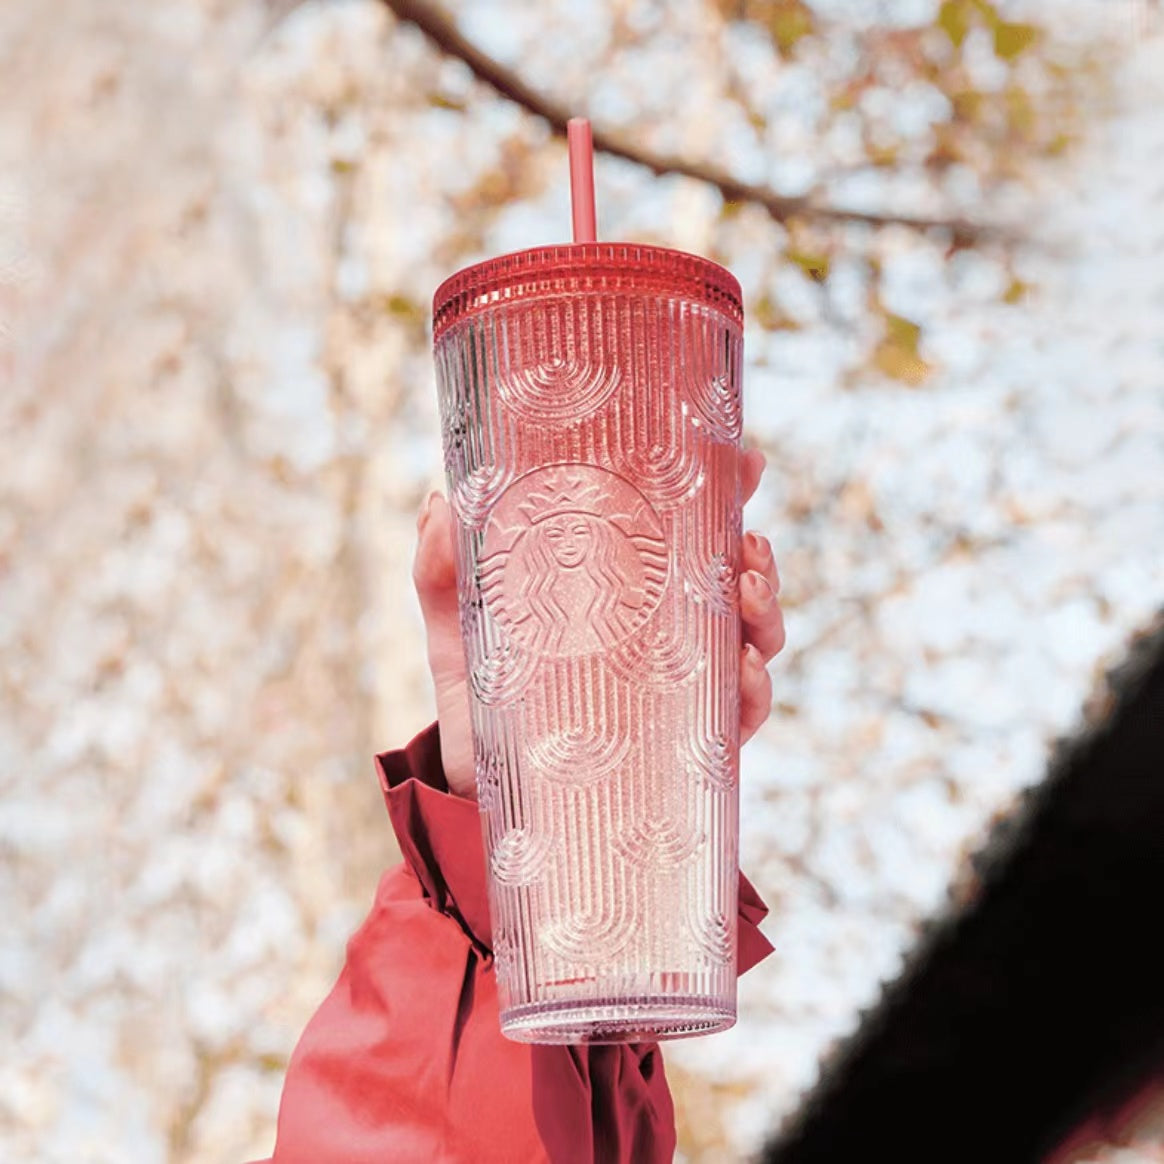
<point>573,562</point>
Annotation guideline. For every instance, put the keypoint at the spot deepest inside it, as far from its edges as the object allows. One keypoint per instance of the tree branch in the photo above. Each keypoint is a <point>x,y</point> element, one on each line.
<point>445,35</point>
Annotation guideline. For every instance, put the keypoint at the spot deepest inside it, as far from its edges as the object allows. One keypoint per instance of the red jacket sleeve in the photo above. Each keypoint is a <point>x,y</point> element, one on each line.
<point>405,1060</point>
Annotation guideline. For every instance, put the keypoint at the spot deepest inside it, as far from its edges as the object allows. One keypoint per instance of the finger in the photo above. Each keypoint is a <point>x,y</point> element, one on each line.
<point>763,620</point>
<point>755,693</point>
<point>434,575</point>
<point>751,470</point>
<point>757,555</point>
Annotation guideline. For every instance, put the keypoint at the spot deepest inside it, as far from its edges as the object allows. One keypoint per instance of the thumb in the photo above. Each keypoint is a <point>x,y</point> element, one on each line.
<point>435,577</point>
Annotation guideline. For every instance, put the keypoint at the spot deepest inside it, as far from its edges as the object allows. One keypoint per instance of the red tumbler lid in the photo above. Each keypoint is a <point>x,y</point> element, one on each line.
<point>580,269</point>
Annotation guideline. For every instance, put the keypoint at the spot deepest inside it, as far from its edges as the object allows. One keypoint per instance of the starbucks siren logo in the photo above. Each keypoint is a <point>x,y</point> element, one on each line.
<point>574,561</point>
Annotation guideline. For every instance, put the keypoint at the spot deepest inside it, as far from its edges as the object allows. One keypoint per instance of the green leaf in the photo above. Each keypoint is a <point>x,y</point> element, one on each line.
<point>954,19</point>
<point>902,331</point>
<point>1012,38</point>
<point>402,308</point>
<point>897,353</point>
<point>789,22</point>
<point>786,21</point>
<point>989,12</point>
<point>1016,291</point>
<point>814,264</point>
<point>772,317</point>
<point>441,101</point>
<point>1020,110</point>
<point>968,104</point>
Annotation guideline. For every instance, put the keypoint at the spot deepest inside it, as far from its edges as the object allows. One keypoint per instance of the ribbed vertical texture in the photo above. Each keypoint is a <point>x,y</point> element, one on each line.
<point>592,450</point>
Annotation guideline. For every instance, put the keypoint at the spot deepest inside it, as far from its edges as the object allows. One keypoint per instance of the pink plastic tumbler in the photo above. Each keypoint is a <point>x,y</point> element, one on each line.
<point>590,405</point>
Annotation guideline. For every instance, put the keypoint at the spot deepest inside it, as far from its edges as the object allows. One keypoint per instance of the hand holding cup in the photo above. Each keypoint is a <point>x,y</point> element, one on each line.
<point>434,577</point>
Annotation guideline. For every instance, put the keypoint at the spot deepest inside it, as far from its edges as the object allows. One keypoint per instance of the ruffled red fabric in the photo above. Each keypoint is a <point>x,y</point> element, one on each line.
<point>405,1061</point>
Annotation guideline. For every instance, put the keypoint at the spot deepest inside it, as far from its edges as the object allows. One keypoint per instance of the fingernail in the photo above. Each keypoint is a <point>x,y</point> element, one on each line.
<point>426,509</point>
<point>753,658</point>
<point>758,587</point>
<point>760,545</point>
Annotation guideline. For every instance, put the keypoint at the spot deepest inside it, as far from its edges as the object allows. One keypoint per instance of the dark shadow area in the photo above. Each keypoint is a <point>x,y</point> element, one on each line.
<point>1039,1003</point>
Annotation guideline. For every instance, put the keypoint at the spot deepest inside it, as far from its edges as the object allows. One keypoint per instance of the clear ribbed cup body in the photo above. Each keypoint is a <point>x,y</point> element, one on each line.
<point>590,409</point>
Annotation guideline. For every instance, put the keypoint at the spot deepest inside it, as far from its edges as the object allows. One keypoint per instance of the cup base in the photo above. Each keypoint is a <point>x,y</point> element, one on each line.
<point>623,1020</point>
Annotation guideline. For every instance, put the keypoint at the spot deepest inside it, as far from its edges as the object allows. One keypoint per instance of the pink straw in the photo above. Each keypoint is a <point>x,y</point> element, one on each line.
<point>581,144</point>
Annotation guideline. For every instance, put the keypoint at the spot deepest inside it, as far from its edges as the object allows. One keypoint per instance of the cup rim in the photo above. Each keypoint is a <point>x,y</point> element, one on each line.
<point>609,267</point>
